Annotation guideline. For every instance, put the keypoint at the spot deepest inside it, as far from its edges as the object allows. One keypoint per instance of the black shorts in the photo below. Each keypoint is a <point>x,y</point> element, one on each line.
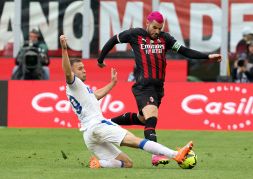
<point>146,94</point>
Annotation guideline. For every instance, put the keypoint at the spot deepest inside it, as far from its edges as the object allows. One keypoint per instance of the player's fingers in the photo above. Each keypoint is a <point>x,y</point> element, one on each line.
<point>114,70</point>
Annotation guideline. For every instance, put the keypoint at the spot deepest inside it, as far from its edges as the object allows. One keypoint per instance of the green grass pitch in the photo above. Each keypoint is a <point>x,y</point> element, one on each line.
<point>61,153</point>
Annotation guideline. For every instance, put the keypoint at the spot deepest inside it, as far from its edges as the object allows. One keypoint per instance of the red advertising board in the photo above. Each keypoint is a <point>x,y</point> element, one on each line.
<point>187,106</point>
<point>176,70</point>
<point>207,106</point>
<point>44,103</point>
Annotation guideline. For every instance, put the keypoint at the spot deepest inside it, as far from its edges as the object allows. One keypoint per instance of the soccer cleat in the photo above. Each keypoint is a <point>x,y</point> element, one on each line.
<point>94,162</point>
<point>159,159</point>
<point>180,157</point>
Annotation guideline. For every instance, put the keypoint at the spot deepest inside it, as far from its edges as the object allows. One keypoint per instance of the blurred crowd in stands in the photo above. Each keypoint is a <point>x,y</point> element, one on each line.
<point>242,71</point>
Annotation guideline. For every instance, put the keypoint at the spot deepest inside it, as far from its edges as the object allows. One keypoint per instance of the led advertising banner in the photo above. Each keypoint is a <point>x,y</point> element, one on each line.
<point>187,106</point>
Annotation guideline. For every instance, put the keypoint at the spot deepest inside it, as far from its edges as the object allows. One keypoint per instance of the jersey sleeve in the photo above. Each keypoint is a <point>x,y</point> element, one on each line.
<point>125,36</point>
<point>172,43</point>
<point>75,83</point>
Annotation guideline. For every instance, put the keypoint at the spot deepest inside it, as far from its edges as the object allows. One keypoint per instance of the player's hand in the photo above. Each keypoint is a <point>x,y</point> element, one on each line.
<point>63,41</point>
<point>101,65</point>
<point>114,75</point>
<point>215,57</point>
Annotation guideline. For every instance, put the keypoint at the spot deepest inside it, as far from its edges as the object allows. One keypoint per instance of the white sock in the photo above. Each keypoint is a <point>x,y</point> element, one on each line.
<point>112,163</point>
<point>157,149</point>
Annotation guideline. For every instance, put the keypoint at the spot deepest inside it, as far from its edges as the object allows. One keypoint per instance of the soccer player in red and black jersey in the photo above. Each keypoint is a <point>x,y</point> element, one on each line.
<point>150,46</point>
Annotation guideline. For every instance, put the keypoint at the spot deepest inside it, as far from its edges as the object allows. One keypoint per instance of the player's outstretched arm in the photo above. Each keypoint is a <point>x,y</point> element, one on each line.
<point>107,47</point>
<point>194,54</point>
<point>100,93</point>
<point>65,60</point>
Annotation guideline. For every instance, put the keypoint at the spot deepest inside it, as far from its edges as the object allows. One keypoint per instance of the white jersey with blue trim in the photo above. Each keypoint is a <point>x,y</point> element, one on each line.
<point>84,103</point>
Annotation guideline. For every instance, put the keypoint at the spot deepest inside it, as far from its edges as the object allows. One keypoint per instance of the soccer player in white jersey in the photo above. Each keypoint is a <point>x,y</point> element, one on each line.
<point>100,135</point>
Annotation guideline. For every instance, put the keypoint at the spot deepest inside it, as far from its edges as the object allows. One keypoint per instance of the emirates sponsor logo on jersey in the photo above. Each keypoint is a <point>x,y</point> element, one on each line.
<point>152,48</point>
<point>223,107</point>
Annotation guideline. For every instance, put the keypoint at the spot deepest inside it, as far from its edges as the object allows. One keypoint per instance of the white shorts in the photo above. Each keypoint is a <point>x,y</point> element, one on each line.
<point>101,139</point>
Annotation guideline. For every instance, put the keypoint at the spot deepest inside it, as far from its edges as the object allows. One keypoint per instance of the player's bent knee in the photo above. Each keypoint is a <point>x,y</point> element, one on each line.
<point>150,111</point>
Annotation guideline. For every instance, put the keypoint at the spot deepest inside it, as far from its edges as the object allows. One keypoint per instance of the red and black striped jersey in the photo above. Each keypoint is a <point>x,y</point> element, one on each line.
<point>149,53</point>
